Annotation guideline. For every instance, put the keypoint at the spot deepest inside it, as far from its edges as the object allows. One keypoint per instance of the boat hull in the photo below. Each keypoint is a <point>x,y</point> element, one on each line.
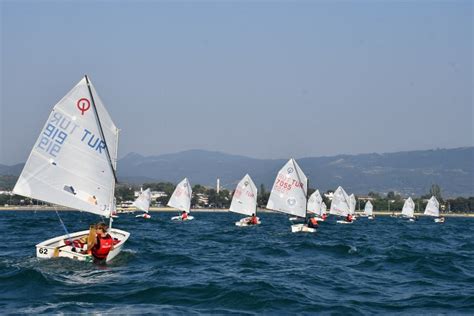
<point>439,220</point>
<point>244,222</point>
<point>344,222</point>
<point>178,218</point>
<point>302,228</point>
<point>57,247</point>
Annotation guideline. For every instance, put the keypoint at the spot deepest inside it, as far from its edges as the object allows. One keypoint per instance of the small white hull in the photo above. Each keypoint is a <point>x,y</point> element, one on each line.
<point>302,228</point>
<point>56,247</point>
<point>114,216</point>
<point>370,217</point>
<point>178,218</point>
<point>291,219</point>
<point>344,222</point>
<point>319,219</point>
<point>244,222</point>
<point>439,220</point>
<point>146,215</point>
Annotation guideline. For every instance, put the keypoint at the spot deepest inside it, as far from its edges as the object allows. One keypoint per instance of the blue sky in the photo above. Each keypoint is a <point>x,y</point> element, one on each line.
<point>263,79</point>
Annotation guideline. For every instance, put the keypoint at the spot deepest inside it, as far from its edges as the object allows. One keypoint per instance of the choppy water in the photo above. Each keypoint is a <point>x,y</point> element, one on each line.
<point>211,266</point>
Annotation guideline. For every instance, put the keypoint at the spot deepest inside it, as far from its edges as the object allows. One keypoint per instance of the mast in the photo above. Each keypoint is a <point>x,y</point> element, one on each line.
<point>101,130</point>
<point>111,164</point>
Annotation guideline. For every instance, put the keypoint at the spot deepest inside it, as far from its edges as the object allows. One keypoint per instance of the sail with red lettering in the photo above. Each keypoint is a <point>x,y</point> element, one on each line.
<point>244,200</point>
<point>182,195</point>
<point>289,191</point>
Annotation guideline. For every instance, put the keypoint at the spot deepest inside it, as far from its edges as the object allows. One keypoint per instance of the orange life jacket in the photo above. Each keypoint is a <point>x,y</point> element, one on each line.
<point>184,216</point>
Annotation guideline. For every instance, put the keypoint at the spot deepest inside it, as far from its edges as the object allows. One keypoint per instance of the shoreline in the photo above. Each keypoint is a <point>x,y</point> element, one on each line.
<point>198,210</point>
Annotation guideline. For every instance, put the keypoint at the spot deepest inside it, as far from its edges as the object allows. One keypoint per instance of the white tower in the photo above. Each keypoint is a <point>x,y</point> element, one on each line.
<point>218,185</point>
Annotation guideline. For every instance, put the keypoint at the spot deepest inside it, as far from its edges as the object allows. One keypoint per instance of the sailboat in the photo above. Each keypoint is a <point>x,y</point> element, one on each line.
<point>340,205</point>
<point>368,210</point>
<point>143,203</point>
<point>324,210</point>
<point>73,164</point>
<point>181,200</point>
<point>408,210</point>
<point>432,209</point>
<point>289,194</point>
<point>353,204</point>
<point>315,206</point>
<point>244,201</point>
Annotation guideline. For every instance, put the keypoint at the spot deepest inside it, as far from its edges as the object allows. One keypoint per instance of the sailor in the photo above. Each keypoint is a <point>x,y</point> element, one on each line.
<point>184,216</point>
<point>253,220</point>
<point>312,222</point>
<point>103,245</point>
<point>349,218</point>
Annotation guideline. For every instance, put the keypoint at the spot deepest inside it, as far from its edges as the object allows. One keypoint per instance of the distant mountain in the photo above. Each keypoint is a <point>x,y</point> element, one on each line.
<point>410,172</point>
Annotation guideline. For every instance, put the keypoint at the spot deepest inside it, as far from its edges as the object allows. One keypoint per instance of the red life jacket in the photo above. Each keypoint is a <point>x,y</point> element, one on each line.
<point>253,220</point>
<point>102,247</point>
<point>313,221</point>
<point>184,216</point>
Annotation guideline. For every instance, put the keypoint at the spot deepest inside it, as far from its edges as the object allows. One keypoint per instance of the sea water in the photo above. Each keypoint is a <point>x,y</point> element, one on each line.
<point>211,266</point>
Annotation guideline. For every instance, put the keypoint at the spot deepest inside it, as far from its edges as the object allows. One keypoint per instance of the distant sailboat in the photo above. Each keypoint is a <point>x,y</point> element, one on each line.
<point>368,210</point>
<point>340,205</point>
<point>315,206</point>
<point>353,204</point>
<point>289,194</point>
<point>408,210</point>
<point>181,200</point>
<point>143,203</point>
<point>432,209</point>
<point>73,164</point>
<point>244,201</point>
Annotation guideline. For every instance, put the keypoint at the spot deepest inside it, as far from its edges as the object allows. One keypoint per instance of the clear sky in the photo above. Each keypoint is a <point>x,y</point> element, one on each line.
<point>262,79</point>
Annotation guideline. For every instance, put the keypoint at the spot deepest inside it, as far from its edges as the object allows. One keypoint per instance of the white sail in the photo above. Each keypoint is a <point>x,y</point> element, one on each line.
<point>324,208</point>
<point>352,204</point>
<point>143,200</point>
<point>244,200</point>
<point>181,198</point>
<point>432,208</point>
<point>289,191</point>
<point>408,209</point>
<point>340,204</point>
<point>368,209</point>
<point>315,202</point>
<point>69,164</point>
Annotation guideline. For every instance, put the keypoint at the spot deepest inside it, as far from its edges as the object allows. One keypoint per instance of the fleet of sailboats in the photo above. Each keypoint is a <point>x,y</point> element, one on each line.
<point>73,164</point>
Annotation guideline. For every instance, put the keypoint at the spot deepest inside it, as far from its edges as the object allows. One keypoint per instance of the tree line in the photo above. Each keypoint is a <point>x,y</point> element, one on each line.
<point>208,197</point>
